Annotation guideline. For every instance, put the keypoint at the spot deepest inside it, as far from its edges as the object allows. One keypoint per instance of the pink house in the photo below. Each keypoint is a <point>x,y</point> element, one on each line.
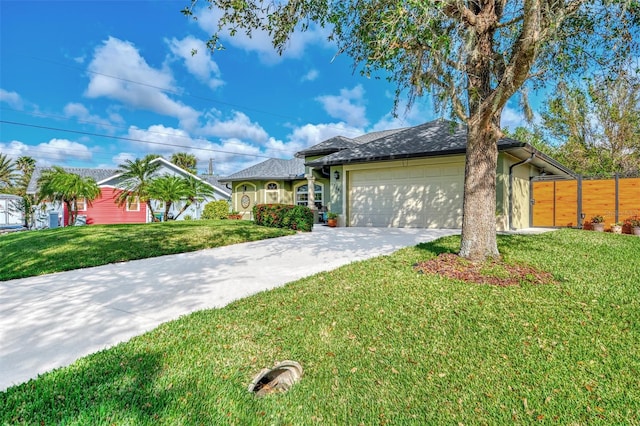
<point>104,210</point>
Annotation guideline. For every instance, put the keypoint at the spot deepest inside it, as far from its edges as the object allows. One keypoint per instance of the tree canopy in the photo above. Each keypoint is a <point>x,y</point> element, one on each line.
<point>168,189</point>
<point>596,127</point>
<point>58,185</point>
<point>7,171</point>
<point>135,179</point>
<point>473,56</point>
<point>185,161</point>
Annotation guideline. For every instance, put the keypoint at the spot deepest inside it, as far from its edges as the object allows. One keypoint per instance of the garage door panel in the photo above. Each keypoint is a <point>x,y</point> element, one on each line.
<point>404,200</point>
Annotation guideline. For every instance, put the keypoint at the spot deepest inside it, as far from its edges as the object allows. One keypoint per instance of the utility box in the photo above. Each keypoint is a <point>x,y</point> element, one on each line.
<point>53,220</point>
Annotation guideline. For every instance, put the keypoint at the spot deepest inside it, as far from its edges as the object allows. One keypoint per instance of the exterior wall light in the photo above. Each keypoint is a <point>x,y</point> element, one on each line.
<point>336,175</point>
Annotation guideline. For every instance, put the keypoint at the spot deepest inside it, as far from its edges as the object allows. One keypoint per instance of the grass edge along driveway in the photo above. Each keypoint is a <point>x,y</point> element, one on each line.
<point>31,253</point>
<point>382,344</point>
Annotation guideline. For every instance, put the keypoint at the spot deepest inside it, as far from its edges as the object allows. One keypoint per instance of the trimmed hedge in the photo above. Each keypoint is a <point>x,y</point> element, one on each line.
<point>299,218</point>
<point>216,210</point>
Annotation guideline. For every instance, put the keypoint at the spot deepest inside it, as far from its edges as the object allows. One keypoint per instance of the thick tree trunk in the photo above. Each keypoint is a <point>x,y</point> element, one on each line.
<point>483,131</point>
<point>479,207</point>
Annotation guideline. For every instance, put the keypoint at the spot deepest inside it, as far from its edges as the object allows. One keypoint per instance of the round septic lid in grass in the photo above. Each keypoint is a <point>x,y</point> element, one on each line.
<point>280,378</point>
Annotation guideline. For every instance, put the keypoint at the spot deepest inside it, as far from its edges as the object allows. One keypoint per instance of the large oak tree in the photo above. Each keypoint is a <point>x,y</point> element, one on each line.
<point>473,56</point>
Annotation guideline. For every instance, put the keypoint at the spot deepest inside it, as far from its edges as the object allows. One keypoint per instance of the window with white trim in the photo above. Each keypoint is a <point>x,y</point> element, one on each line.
<point>302,194</point>
<point>272,193</point>
<point>133,204</point>
<point>81,204</point>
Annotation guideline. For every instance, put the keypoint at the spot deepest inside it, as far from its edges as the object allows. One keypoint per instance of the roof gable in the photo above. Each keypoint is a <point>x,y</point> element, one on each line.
<point>96,174</point>
<point>273,168</point>
<point>109,177</point>
<point>329,146</point>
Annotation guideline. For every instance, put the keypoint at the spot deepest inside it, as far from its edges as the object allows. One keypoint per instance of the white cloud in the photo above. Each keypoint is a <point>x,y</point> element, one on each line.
<point>119,72</point>
<point>311,134</point>
<point>54,152</point>
<point>239,126</point>
<point>122,157</point>
<point>260,41</point>
<point>79,111</point>
<point>420,112</point>
<point>512,118</point>
<point>227,153</point>
<point>346,106</point>
<point>200,65</point>
<point>312,75</point>
<point>13,99</point>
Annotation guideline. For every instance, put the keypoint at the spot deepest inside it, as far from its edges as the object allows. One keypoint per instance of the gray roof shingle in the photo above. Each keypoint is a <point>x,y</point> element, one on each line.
<point>329,146</point>
<point>271,169</point>
<point>215,181</point>
<point>96,174</point>
<point>438,137</point>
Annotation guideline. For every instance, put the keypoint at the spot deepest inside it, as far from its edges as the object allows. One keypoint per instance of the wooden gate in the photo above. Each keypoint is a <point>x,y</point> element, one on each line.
<point>572,203</point>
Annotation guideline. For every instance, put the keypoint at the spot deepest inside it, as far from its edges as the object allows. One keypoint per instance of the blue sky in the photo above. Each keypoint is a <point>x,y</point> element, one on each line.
<point>93,83</point>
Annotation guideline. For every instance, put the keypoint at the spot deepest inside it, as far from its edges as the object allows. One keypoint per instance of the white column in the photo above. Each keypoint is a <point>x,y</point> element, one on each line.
<point>311,195</point>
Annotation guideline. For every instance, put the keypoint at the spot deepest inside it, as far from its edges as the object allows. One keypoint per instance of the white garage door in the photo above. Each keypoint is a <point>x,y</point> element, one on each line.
<point>413,197</point>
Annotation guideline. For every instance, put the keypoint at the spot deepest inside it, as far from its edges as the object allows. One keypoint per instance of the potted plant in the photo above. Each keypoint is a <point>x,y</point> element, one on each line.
<point>597,223</point>
<point>234,215</point>
<point>616,228</point>
<point>635,225</point>
<point>332,219</point>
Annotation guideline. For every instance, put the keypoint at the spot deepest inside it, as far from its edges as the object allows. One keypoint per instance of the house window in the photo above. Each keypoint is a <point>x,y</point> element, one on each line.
<point>302,194</point>
<point>81,204</point>
<point>133,204</point>
<point>272,193</point>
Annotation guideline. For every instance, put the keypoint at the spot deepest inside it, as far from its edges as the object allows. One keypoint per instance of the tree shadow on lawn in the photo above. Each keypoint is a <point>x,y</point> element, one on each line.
<point>106,387</point>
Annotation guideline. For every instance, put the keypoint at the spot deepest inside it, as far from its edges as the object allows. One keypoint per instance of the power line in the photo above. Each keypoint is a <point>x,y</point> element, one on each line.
<point>164,89</point>
<point>131,139</point>
<point>113,126</point>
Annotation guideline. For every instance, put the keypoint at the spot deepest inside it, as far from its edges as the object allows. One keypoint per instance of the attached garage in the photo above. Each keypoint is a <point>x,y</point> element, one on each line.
<point>410,193</point>
<point>410,177</point>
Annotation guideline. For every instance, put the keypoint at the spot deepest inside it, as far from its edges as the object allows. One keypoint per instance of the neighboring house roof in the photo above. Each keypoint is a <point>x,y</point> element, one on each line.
<point>215,182</point>
<point>271,169</point>
<point>9,197</point>
<point>435,138</point>
<point>110,177</point>
<point>96,174</point>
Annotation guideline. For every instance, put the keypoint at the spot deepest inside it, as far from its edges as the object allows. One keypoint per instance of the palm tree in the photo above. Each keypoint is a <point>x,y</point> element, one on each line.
<point>185,161</point>
<point>7,171</point>
<point>136,177</point>
<point>56,184</point>
<point>168,189</point>
<point>198,191</point>
<point>25,164</point>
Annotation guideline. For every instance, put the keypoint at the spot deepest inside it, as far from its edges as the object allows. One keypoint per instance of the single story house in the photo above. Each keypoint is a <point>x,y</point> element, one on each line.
<point>408,177</point>
<point>104,210</point>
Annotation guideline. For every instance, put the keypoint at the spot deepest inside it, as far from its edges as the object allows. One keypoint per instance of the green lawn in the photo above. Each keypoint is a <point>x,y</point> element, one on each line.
<point>381,344</point>
<point>26,254</point>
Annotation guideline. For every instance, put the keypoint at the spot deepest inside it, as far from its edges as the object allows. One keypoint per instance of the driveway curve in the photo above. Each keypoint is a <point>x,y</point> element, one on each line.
<point>51,320</point>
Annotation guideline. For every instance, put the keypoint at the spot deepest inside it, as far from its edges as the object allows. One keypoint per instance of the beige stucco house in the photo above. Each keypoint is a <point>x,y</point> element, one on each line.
<point>409,177</point>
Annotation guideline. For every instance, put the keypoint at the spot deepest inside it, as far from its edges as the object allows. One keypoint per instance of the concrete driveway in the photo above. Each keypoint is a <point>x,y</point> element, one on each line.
<point>50,321</point>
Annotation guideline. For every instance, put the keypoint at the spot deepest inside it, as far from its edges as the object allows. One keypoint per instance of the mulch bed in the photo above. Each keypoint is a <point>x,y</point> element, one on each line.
<point>492,272</point>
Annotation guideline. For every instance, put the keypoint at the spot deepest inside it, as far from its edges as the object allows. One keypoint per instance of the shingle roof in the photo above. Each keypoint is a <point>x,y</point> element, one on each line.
<point>215,181</point>
<point>439,137</point>
<point>329,146</point>
<point>96,174</point>
<point>368,137</point>
<point>273,168</point>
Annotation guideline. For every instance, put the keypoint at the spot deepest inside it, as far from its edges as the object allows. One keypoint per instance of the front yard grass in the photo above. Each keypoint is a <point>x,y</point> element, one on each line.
<point>26,254</point>
<point>383,344</point>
